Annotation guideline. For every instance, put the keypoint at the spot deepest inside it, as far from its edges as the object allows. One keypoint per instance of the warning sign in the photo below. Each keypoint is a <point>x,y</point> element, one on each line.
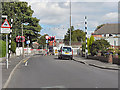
<point>5,24</point>
<point>5,27</point>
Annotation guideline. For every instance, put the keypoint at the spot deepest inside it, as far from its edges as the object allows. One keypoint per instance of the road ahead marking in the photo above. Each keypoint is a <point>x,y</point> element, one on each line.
<point>11,74</point>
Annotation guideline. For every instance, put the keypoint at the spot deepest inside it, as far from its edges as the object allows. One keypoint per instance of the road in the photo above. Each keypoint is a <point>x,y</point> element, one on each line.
<point>50,72</point>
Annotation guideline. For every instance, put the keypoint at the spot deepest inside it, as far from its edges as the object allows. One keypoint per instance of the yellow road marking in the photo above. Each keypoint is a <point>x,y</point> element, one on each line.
<point>26,60</point>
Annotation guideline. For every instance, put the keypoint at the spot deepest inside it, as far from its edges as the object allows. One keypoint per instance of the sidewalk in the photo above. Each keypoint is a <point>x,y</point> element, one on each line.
<point>96,63</point>
<point>12,63</point>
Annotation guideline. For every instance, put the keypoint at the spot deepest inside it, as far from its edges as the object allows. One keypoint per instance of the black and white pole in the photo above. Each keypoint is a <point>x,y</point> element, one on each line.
<point>10,35</point>
<point>86,50</point>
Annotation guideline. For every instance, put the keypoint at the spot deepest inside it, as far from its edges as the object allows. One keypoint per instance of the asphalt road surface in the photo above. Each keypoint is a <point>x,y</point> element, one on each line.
<point>50,72</point>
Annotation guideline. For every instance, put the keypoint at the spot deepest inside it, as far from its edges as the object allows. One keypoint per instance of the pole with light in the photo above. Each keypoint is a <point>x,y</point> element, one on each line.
<point>70,23</point>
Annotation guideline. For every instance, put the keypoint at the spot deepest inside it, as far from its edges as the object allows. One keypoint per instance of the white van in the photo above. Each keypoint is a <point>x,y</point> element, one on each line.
<point>65,52</point>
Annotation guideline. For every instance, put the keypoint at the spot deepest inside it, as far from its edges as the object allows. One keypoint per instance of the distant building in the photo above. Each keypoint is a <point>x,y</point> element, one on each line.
<point>109,32</point>
<point>35,45</point>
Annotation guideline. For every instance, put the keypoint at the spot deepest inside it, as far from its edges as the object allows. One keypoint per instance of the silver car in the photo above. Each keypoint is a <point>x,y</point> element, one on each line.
<point>65,52</point>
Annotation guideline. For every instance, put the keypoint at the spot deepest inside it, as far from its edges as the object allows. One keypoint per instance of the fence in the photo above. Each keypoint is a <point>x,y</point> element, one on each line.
<point>29,51</point>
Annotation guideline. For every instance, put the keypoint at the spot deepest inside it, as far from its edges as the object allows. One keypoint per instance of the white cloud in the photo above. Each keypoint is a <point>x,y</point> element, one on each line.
<point>111,17</point>
<point>50,13</point>
<point>57,13</point>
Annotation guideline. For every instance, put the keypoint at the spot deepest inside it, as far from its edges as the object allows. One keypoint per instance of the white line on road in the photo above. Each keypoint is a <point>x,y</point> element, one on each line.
<point>11,74</point>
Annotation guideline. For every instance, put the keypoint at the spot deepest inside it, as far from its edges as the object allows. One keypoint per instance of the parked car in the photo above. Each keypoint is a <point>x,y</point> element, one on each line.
<point>65,52</point>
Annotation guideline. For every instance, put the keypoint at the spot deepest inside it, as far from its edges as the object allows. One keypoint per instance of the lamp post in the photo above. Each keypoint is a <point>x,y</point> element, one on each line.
<point>22,41</point>
<point>70,23</point>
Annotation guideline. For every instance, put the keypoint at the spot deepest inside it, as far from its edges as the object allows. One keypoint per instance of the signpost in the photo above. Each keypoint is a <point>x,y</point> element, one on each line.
<point>5,28</point>
<point>27,42</point>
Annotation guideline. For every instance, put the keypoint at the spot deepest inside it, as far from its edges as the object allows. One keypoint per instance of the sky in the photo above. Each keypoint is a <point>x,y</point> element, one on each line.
<point>54,15</point>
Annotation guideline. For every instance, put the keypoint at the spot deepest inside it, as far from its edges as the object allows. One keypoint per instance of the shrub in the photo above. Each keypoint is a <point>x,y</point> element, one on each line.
<point>99,45</point>
<point>2,48</point>
<point>13,46</point>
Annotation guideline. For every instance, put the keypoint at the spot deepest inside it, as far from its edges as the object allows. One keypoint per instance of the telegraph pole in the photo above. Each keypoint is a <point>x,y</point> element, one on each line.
<point>22,41</point>
<point>70,23</point>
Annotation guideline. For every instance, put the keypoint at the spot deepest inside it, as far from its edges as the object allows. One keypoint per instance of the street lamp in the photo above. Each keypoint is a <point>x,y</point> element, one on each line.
<point>70,23</point>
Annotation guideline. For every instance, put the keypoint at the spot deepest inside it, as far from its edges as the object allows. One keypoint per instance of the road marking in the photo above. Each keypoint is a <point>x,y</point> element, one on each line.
<point>54,87</point>
<point>26,63</point>
<point>25,60</point>
<point>11,74</point>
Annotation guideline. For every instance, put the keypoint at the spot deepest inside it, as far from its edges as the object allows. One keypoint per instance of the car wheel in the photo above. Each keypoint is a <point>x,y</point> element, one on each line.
<point>61,57</point>
<point>58,57</point>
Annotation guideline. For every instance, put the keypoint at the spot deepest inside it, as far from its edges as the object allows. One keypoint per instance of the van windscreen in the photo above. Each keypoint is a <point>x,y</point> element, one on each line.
<point>67,49</point>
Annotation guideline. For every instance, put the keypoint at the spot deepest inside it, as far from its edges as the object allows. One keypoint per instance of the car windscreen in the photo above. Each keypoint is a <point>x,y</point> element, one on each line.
<point>67,49</point>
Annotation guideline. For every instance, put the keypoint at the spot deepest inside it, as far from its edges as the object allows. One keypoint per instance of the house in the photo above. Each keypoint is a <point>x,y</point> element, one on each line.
<point>35,45</point>
<point>109,32</point>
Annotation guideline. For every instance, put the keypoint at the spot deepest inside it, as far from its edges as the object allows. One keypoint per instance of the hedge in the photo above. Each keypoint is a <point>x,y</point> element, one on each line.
<point>2,48</point>
<point>13,47</point>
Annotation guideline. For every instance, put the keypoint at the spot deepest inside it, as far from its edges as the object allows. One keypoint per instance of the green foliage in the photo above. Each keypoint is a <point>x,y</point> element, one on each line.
<point>21,12</point>
<point>88,45</point>
<point>76,35</point>
<point>13,46</point>
<point>99,45</point>
<point>84,45</point>
<point>92,39</point>
<point>2,48</point>
<point>42,40</point>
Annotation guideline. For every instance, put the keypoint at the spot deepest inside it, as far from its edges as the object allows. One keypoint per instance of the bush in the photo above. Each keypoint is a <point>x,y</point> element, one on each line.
<point>13,47</point>
<point>99,45</point>
<point>2,48</point>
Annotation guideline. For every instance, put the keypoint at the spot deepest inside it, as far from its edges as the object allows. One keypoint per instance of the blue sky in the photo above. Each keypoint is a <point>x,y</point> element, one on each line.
<point>54,15</point>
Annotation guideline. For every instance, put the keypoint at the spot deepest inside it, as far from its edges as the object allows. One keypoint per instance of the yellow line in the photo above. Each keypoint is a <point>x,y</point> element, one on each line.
<point>26,60</point>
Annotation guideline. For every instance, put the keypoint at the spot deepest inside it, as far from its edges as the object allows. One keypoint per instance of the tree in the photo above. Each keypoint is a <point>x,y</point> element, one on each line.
<point>88,45</point>
<point>13,47</point>
<point>84,45</point>
<point>76,36</point>
<point>99,45</point>
<point>42,40</point>
<point>67,36</point>
<point>92,39</point>
<point>20,12</point>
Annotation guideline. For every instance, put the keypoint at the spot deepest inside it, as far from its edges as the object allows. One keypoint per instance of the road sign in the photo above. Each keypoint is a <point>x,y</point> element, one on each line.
<point>5,24</point>
<point>20,39</point>
<point>27,42</point>
<point>5,30</point>
<point>5,27</point>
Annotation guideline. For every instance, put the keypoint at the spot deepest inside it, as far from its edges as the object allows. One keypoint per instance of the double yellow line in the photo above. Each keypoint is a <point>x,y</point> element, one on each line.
<point>25,60</point>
